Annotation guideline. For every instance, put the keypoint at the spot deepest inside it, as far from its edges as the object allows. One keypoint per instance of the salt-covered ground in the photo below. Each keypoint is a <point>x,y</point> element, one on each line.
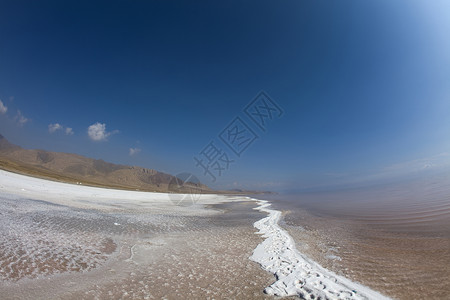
<point>62,241</point>
<point>110,200</point>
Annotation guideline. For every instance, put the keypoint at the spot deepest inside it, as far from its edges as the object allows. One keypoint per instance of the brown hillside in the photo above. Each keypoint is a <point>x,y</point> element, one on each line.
<point>75,168</point>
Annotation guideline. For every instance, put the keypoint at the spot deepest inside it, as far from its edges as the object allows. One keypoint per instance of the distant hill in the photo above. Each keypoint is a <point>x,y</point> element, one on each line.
<point>75,168</point>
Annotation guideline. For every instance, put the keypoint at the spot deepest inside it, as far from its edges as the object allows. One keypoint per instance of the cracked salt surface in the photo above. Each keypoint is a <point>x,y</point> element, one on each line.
<point>295,273</point>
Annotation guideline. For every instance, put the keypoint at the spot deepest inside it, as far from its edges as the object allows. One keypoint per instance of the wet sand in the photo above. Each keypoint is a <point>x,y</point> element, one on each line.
<point>394,239</point>
<point>54,250</point>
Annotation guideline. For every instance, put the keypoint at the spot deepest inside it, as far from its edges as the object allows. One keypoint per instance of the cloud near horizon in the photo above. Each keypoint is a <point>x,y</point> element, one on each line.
<point>3,108</point>
<point>134,151</point>
<point>97,132</point>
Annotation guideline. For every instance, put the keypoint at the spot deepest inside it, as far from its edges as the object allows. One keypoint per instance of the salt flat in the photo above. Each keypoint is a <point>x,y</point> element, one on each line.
<point>81,196</point>
<point>62,241</point>
<point>72,241</point>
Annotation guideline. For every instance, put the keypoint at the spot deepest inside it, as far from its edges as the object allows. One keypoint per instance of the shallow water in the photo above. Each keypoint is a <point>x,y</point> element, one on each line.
<point>393,238</point>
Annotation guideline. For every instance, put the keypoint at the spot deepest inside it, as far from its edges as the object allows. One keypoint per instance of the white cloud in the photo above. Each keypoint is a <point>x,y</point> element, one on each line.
<point>21,119</point>
<point>54,127</point>
<point>3,108</point>
<point>97,132</point>
<point>69,131</point>
<point>134,151</point>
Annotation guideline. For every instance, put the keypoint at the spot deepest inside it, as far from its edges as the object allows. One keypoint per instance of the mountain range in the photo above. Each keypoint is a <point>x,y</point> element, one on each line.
<point>73,168</point>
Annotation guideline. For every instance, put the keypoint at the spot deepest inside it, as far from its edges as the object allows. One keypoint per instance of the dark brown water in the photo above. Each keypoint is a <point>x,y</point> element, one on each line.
<point>394,238</point>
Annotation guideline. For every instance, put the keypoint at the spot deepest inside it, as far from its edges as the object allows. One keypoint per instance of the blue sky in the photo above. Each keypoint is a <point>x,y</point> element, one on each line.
<point>364,85</point>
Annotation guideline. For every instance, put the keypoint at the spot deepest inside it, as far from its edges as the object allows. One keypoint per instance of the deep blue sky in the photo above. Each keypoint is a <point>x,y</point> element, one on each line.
<point>364,85</point>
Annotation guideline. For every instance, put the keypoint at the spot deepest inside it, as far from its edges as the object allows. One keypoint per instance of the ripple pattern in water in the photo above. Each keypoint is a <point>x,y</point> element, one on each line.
<point>394,238</point>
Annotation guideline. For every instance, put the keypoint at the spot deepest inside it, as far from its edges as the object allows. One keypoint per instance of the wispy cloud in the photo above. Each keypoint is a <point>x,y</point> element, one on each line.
<point>69,131</point>
<point>97,132</point>
<point>134,151</point>
<point>417,165</point>
<point>3,108</point>
<point>21,119</point>
<point>398,171</point>
<point>52,128</point>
